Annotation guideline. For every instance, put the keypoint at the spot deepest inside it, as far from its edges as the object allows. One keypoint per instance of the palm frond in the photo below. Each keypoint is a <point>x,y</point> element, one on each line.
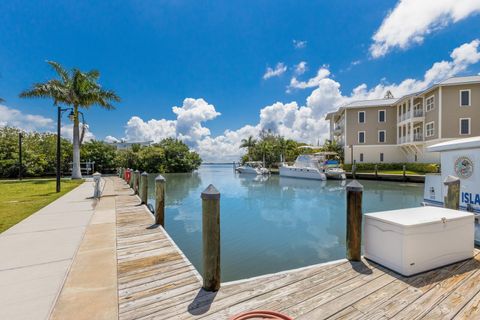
<point>60,70</point>
<point>2,100</point>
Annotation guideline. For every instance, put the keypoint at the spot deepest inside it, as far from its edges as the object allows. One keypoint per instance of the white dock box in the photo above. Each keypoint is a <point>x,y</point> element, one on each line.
<point>415,240</point>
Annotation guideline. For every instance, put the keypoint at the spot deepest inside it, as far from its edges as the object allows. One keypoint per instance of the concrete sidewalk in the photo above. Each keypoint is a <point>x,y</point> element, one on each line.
<point>36,254</point>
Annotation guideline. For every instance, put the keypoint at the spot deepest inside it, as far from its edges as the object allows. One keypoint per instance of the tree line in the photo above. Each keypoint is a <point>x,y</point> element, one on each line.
<point>39,152</point>
<point>274,149</point>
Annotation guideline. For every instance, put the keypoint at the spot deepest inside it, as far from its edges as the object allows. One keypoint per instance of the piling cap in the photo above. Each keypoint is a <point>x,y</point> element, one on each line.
<point>450,180</point>
<point>160,178</point>
<point>96,174</point>
<point>210,193</point>
<point>354,186</point>
<point>136,171</point>
<point>144,173</point>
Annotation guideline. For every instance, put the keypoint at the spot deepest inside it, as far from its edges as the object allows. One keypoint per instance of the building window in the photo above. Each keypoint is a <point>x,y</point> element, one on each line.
<point>381,136</point>
<point>361,137</point>
<point>381,115</point>
<point>381,157</point>
<point>464,126</point>
<point>361,157</point>
<point>430,129</point>
<point>361,116</point>
<point>464,98</point>
<point>430,103</point>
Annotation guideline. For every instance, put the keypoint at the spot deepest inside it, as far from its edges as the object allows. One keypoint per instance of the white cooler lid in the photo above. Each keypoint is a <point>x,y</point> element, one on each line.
<point>418,216</point>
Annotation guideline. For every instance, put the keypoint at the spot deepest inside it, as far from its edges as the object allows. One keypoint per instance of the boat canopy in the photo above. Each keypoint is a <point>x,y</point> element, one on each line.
<point>306,161</point>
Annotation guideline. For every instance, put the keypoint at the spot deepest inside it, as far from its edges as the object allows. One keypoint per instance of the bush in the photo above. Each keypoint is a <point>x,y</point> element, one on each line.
<point>417,167</point>
<point>102,153</point>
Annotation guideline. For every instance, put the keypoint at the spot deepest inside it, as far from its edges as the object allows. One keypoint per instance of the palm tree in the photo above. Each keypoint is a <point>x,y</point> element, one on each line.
<point>249,144</point>
<point>77,89</point>
<point>1,100</point>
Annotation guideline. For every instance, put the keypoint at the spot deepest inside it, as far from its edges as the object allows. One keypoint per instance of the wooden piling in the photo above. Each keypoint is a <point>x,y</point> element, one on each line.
<point>376,171</point>
<point>404,173</point>
<point>144,187</point>
<point>354,220</point>
<point>452,198</point>
<point>211,238</point>
<point>354,169</point>
<point>130,182</point>
<point>160,200</point>
<point>136,186</point>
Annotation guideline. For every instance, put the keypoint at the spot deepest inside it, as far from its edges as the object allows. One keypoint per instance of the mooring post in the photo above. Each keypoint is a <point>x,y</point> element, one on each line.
<point>354,220</point>
<point>120,174</point>
<point>144,187</point>
<point>136,186</point>
<point>376,171</point>
<point>404,173</point>
<point>130,181</point>
<point>160,200</point>
<point>211,238</point>
<point>452,199</point>
<point>124,174</point>
<point>354,168</point>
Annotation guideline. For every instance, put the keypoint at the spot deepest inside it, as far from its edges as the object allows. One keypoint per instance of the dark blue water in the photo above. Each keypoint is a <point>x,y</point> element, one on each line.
<point>270,224</point>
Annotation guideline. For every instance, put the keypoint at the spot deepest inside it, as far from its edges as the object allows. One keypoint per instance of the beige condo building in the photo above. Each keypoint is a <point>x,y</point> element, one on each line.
<point>400,129</point>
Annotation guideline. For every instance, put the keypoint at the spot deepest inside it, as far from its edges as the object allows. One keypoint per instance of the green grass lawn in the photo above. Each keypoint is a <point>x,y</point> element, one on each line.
<point>19,199</point>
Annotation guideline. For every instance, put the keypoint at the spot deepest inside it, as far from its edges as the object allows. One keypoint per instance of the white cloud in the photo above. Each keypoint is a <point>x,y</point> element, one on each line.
<point>304,123</point>
<point>299,44</point>
<point>67,132</point>
<point>111,139</point>
<point>411,20</point>
<point>16,118</point>
<point>322,73</point>
<point>280,69</point>
<point>301,67</point>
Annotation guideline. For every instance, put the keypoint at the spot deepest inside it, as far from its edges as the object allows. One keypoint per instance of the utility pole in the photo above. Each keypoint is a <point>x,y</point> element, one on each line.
<point>20,166</point>
<point>59,120</point>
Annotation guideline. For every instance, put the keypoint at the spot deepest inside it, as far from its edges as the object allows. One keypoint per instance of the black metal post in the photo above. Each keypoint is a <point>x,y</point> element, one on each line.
<point>20,166</point>
<point>59,120</point>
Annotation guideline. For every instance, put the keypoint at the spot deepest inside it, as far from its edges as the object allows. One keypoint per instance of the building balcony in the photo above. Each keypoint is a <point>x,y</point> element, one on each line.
<point>411,139</point>
<point>414,115</point>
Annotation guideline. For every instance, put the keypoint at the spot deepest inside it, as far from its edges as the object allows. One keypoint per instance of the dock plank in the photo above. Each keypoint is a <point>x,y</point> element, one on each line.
<point>156,281</point>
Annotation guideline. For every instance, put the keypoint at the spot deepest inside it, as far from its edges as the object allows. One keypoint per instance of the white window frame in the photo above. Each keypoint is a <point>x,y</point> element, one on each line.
<point>433,129</point>
<point>361,157</point>
<point>469,97</point>
<point>364,137</point>
<point>384,116</point>
<point>381,157</point>
<point>426,103</point>
<point>364,117</point>
<point>384,136</point>
<point>460,126</point>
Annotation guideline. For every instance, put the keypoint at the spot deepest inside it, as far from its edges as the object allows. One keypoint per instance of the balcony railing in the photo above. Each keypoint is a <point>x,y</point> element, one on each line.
<point>406,139</point>
<point>411,114</point>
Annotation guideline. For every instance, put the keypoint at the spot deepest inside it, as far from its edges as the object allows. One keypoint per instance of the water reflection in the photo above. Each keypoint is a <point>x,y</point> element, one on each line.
<point>271,223</point>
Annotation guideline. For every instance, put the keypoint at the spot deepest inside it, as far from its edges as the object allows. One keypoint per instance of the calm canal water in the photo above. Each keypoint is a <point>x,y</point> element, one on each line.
<point>270,224</point>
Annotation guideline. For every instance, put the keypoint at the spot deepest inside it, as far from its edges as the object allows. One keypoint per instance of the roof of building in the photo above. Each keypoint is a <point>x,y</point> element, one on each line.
<point>460,80</point>
<point>467,143</point>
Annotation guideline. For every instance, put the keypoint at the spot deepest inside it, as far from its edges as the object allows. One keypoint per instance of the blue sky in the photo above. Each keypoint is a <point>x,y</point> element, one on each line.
<point>155,54</point>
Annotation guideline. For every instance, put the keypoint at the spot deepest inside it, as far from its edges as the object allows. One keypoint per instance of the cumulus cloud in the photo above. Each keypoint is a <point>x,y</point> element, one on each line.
<point>67,132</point>
<point>411,20</point>
<point>16,118</point>
<point>111,139</point>
<point>300,68</point>
<point>299,44</point>
<point>280,69</point>
<point>322,73</point>
<point>304,123</point>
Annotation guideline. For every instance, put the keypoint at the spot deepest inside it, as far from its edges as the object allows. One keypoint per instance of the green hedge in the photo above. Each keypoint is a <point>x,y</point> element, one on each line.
<point>417,167</point>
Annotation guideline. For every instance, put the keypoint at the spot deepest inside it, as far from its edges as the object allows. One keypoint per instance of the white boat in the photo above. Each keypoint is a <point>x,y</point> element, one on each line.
<point>331,166</point>
<point>306,166</point>
<point>253,167</point>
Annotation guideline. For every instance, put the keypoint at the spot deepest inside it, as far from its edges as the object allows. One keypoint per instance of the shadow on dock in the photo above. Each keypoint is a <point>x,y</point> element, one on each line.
<point>202,302</point>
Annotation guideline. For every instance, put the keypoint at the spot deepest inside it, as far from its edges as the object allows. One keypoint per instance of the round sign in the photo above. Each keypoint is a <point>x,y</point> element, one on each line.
<point>464,167</point>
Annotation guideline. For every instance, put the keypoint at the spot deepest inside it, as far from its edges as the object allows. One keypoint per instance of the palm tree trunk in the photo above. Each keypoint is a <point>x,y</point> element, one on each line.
<point>76,172</point>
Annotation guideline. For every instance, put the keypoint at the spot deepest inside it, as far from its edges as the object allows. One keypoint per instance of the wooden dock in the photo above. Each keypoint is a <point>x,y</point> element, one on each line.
<point>156,281</point>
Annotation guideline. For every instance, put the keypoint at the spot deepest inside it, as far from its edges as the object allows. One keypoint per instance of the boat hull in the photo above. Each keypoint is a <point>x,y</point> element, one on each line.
<point>336,175</point>
<point>303,173</point>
